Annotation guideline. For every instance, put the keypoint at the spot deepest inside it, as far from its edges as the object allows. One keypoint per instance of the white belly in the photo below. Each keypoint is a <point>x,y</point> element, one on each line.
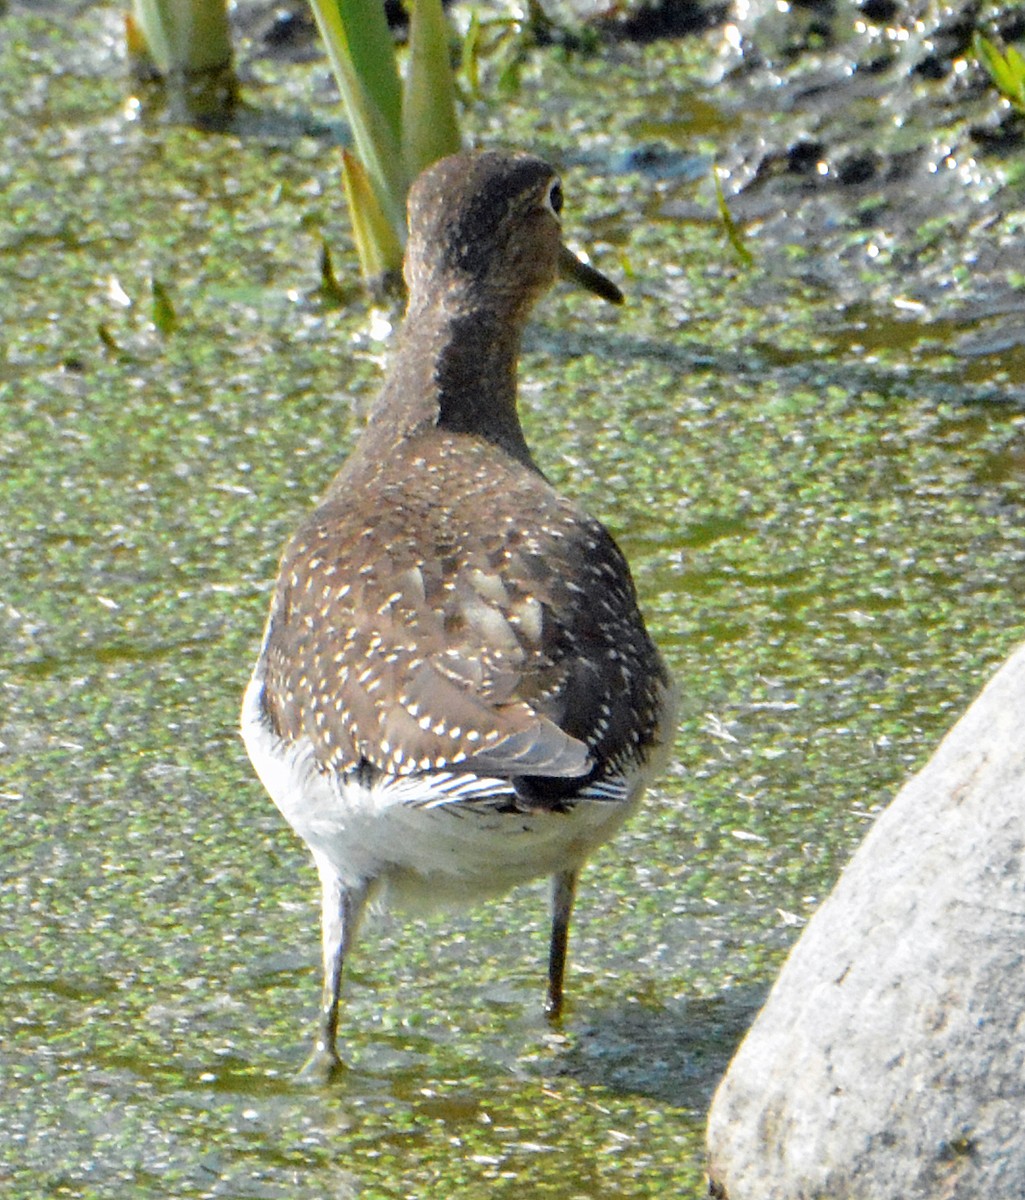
<point>422,852</point>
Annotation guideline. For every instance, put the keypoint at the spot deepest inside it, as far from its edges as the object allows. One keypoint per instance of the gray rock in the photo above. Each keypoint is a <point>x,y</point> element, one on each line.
<point>889,1060</point>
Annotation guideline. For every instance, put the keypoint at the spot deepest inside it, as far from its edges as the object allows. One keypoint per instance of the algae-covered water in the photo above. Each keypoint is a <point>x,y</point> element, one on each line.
<point>823,497</point>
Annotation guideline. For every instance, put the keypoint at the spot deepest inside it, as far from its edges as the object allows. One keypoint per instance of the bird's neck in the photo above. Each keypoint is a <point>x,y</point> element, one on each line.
<point>455,369</point>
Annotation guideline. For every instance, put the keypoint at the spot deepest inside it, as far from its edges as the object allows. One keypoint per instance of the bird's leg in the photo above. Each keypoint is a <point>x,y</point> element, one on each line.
<point>564,886</point>
<point>341,909</point>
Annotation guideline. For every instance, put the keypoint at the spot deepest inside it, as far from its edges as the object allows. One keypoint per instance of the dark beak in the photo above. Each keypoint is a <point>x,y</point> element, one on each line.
<point>572,269</point>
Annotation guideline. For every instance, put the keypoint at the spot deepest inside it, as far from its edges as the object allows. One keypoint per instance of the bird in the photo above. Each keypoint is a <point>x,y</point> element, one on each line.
<point>456,691</point>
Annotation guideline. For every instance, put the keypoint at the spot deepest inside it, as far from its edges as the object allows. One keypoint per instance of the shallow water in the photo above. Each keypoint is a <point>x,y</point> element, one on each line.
<point>822,497</point>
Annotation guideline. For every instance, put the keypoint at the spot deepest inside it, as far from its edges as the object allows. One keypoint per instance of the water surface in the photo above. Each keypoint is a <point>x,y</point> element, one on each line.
<point>824,502</point>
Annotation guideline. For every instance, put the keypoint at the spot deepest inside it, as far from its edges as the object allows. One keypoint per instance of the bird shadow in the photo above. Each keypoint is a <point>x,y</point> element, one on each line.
<point>672,1053</point>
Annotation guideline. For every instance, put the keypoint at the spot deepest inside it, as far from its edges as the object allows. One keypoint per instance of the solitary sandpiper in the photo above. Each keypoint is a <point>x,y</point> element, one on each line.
<point>456,691</point>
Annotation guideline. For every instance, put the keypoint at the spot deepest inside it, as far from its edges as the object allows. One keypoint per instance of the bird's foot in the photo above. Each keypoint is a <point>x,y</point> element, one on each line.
<point>553,1009</point>
<point>322,1066</point>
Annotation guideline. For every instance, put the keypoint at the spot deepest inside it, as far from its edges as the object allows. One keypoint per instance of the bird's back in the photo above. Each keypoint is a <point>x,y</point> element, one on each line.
<point>446,611</point>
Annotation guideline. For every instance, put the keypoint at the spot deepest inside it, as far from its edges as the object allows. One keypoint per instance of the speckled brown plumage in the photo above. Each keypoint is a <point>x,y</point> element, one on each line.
<point>478,620</point>
<point>448,633</point>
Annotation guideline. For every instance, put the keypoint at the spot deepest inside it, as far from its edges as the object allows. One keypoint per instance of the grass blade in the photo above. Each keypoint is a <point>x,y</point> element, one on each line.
<point>164,317</point>
<point>1016,68</point>
<point>430,127</point>
<point>733,233</point>
<point>377,141</point>
<point>470,56</point>
<point>1007,73</point>
<point>188,36</point>
<point>370,49</point>
<point>377,243</point>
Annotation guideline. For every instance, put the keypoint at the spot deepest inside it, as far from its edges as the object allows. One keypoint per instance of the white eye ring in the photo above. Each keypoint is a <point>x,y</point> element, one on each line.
<point>553,197</point>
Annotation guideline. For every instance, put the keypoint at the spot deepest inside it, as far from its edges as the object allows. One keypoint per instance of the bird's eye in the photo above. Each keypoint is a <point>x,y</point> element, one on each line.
<point>554,196</point>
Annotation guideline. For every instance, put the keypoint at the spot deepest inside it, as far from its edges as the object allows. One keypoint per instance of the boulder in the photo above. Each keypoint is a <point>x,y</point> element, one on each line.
<point>888,1062</point>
